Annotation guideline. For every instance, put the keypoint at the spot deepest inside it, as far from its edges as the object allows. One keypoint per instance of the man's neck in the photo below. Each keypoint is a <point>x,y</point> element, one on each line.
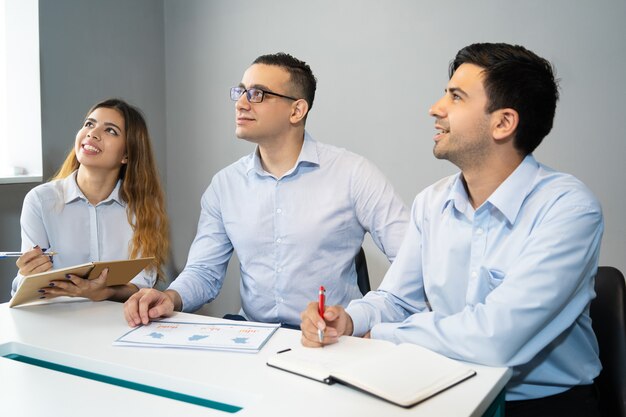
<point>481,181</point>
<point>280,155</point>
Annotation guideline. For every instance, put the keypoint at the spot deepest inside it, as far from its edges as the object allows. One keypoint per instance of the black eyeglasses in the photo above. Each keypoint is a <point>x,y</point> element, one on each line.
<point>254,95</point>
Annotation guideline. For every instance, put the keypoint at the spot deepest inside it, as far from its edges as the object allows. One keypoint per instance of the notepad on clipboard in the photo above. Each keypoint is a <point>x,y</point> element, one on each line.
<point>120,272</point>
<point>404,374</point>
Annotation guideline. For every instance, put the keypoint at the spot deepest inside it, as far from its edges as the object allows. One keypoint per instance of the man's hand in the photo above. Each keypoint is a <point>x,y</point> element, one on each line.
<point>336,322</point>
<point>148,303</point>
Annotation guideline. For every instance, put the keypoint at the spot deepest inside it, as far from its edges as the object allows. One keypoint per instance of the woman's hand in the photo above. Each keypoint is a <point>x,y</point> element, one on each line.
<point>33,262</point>
<point>75,286</point>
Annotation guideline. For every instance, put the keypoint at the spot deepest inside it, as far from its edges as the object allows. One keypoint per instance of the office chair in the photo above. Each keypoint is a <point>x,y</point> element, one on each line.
<point>362,276</point>
<point>608,315</point>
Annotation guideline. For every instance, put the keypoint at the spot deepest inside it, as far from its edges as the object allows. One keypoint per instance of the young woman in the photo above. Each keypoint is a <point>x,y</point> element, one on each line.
<point>104,203</point>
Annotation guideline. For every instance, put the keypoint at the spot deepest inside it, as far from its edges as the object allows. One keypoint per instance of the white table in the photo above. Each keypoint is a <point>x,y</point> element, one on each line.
<point>80,335</point>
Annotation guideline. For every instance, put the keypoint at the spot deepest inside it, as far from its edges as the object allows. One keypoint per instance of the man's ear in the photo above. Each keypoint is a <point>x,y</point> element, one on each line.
<point>299,110</point>
<point>505,123</point>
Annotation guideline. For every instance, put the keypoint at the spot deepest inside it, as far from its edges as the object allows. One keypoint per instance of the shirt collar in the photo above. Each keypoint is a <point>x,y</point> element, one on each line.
<point>507,198</point>
<point>457,197</point>
<point>73,193</point>
<point>510,195</point>
<point>309,155</point>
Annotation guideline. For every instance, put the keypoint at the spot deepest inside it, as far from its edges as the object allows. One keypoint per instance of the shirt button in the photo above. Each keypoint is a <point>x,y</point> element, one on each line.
<point>279,211</point>
<point>279,269</point>
<point>474,274</point>
<point>479,231</point>
<point>279,240</point>
<point>280,299</point>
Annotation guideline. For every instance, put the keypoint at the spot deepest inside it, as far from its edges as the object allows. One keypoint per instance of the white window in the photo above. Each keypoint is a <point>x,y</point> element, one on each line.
<point>20,102</point>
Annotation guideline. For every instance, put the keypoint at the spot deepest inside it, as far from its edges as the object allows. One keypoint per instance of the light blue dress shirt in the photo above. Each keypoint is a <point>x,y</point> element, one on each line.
<point>291,234</point>
<point>57,215</point>
<point>508,284</point>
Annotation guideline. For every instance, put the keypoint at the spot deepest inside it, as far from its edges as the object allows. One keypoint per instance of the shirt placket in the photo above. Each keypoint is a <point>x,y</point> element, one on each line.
<point>94,250</point>
<point>279,231</point>
<point>478,245</point>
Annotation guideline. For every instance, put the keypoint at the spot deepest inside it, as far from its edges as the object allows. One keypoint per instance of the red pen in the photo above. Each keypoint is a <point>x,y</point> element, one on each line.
<point>320,307</point>
<point>320,310</point>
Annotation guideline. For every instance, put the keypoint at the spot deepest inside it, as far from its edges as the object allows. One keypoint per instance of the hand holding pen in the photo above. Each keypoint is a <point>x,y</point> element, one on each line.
<point>322,325</point>
<point>34,261</point>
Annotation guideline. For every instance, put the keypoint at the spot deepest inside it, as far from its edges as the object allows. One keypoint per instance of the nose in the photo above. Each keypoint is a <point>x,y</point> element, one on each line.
<point>94,134</point>
<point>438,109</point>
<point>242,103</point>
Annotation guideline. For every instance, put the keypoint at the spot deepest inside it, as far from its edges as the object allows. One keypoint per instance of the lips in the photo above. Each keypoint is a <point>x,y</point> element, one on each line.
<point>243,119</point>
<point>441,132</point>
<point>90,148</point>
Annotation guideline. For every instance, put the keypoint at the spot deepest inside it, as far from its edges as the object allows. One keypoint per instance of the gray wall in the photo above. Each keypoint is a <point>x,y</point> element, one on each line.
<point>380,65</point>
<point>90,50</point>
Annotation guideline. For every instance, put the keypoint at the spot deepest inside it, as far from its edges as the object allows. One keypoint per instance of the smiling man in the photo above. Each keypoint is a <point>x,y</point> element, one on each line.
<point>295,210</point>
<point>498,263</point>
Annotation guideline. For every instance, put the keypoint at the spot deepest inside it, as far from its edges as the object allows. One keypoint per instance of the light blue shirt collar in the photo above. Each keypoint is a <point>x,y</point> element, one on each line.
<point>507,198</point>
<point>309,155</point>
<point>72,193</point>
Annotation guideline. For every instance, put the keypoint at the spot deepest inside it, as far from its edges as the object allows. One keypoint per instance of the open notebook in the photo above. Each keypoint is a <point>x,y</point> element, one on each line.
<point>404,374</point>
<point>120,272</point>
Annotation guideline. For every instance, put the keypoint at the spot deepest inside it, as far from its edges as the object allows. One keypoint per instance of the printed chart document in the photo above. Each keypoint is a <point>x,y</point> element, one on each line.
<point>120,272</point>
<point>404,374</point>
<point>246,337</point>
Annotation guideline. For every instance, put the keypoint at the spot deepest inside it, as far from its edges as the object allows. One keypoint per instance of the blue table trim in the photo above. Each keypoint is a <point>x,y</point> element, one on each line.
<point>126,384</point>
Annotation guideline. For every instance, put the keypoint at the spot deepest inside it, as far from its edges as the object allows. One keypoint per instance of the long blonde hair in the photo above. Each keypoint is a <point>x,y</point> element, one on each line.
<point>141,186</point>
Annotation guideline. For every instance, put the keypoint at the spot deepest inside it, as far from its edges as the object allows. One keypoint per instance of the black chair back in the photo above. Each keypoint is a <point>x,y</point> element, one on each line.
<point>608,315</point>
<point>362,276</point>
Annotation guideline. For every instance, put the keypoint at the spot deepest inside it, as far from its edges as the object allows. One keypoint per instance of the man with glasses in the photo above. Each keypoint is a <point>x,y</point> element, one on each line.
<point>499,260</point>
<point>295,210</point>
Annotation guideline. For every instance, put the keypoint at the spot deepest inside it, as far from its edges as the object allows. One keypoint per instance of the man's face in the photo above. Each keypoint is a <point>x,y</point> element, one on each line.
<point>464,134</point>
<point>259,122</point>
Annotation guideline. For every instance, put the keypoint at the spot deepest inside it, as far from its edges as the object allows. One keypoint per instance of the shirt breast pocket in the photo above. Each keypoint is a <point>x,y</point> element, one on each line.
<point>495,277</point>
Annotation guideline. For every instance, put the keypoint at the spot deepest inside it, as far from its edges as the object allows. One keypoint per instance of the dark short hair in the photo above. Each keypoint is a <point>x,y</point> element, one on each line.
<point>300,73</point>
<point>519,79</point>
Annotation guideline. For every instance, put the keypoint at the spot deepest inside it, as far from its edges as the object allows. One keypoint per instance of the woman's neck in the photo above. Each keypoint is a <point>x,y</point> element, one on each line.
<point>96,185</point>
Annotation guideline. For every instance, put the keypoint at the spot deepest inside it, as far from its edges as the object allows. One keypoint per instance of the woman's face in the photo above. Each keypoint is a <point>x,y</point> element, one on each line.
<point>101,142</point>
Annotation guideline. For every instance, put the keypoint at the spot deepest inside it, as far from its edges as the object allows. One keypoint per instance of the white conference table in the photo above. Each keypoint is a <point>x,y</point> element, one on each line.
<point>80,335</point>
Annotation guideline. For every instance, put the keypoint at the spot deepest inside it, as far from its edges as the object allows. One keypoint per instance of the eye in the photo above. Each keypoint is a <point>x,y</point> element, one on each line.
<point>256,93</point>
<point>111,131</point>
<point>88,123</point>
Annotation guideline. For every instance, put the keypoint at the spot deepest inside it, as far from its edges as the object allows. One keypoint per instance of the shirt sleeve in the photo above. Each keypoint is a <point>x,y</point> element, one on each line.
<point>33,230</point>
<point>145,279</point>
<point>397,298</point>
<point>210,252</point>
<point>544,292</point>
<point>378,208</point>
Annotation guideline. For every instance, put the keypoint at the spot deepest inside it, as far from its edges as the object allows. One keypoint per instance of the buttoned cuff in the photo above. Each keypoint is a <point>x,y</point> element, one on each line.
<point>360,322</point>
<point>386,331</point>
<point>183,294</point>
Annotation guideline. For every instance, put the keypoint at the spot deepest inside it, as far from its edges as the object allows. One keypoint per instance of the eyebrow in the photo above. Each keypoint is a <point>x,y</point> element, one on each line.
<point>91,119</point>
<point>257,86</point>
<point>456,90</point>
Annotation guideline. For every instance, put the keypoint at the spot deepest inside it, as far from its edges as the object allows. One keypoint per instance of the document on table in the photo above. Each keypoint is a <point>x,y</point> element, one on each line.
<point>245,337</point>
